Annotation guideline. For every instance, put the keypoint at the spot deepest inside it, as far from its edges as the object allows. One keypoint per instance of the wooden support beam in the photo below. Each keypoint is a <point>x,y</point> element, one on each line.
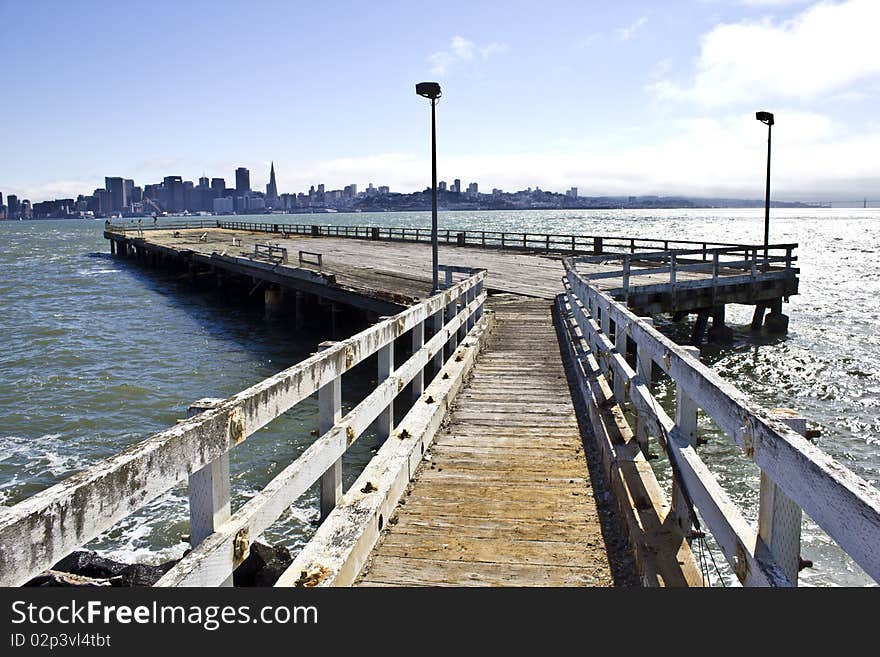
<point>418,340</point>
<point>620,383</point>
<point>686,421</point>
<point>451,311</point>
<point>437,327</point>
<point>329,413</point>
<point>385,421</point>
<point>645,370</point>
<point>700,327</point>
<point>758,316</point>
<point>779,518</point>
<point>209,490</point>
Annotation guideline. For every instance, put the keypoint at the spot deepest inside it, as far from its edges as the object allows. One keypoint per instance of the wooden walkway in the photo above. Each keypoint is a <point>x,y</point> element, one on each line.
<point>505,497</point>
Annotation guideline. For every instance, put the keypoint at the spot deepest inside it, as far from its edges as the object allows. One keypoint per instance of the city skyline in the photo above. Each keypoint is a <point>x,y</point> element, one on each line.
<point>620,99</point>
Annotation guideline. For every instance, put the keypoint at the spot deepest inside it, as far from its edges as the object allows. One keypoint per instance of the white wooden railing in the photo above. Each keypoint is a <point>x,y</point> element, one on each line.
<point>722,266</point>
<point>795,474</point>
<point>39,531</point>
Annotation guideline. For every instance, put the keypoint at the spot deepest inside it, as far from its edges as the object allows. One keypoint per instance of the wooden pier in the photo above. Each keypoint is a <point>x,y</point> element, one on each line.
<point>504,498</point>
<point>383,270</point>
<point>518,410</point>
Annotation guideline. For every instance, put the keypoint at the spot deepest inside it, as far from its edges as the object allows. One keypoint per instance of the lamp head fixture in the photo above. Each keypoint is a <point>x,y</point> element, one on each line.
<point>765,117</point>
<point>428,90</point>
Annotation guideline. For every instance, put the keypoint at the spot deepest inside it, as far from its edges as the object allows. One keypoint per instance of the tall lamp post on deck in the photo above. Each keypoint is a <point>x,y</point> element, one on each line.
<point>431,91</point>
<point>767,119</point>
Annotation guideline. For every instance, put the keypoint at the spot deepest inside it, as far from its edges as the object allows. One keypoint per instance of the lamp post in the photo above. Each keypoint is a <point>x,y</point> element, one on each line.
<point>431,91</point>
<point>767,119</point>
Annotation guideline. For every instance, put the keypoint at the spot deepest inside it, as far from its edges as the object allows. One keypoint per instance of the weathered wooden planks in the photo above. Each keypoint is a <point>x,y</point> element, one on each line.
<point>504,497</point>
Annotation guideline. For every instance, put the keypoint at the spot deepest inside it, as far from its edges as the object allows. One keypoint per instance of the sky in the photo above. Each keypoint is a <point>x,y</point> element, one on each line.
<point>626,97</point>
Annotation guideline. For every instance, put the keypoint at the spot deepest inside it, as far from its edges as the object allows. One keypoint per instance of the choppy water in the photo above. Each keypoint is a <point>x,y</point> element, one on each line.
<point>98,354</point>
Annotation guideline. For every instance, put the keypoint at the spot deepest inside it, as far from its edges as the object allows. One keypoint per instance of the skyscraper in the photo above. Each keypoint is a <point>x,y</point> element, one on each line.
<point>14,208</point>
<point>242,180</point>
<point>128,187</point>
<point>116,187</point>
<point>203,194</point>
<point>174,200</point>
<point>272,188</point>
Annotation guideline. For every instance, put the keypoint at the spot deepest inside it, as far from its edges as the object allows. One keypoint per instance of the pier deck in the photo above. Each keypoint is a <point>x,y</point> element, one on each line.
<point>504,497</point>
<point>388,275</point>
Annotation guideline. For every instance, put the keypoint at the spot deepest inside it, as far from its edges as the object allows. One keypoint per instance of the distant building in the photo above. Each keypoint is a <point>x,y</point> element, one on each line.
<point>116,187</point>
<point>173,192</point>
<point>272,188</point>
<point>14,207</point>
<point>242,180</point>
<point>204,198</point>
<point>128,188</point>
<point>223,205</point>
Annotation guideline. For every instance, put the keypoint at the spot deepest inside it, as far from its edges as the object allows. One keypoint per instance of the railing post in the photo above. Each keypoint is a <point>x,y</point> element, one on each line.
<point>437,327</point>
<point>645,370</point>
<point>686,421</point>
<point>451,310</point>
<point>385,421</point>
<point>605,323</point>
<point>779,519</point>
<point>619,380</point>
<point>208,490</point>
<point>461,302</point>
<point>329,413</point>
<point>418,340</point>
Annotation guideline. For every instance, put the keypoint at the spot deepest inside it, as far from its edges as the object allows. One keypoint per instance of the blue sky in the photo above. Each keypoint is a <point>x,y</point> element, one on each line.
<point>612,97</point>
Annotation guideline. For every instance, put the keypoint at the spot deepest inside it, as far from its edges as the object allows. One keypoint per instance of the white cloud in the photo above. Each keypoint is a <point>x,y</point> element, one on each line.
<point>462,50</point>
<point>823,49</point>
<point>813,159</point>
<point>773,3</point>
<point>628,32</point>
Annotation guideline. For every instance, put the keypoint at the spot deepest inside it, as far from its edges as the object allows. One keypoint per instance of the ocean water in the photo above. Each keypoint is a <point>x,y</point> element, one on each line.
<point>99,354</point>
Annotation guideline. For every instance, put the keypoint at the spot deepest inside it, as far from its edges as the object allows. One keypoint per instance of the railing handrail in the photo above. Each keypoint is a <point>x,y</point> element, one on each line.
<point>843,504</point>
<point>515,237</point>
<point>39,531</point>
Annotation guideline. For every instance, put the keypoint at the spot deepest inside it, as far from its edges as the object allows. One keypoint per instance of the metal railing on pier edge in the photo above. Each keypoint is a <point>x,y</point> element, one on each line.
<point>39,531</point>
<point>531,242</point>
<point>615,352</point>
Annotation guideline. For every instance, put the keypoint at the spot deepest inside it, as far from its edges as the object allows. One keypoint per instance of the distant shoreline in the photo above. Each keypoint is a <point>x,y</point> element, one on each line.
<point>777,206</point>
